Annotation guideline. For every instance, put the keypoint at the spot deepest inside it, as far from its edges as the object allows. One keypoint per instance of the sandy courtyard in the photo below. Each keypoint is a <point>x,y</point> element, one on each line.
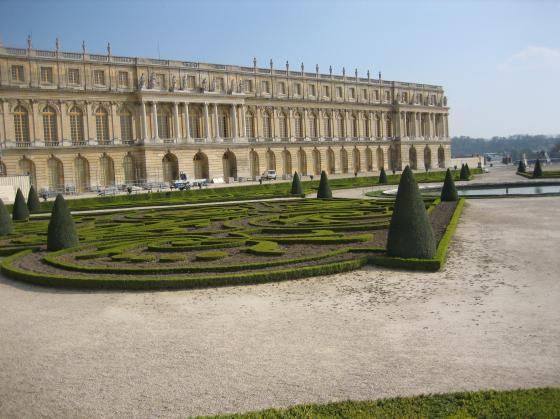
<point>489,319</point>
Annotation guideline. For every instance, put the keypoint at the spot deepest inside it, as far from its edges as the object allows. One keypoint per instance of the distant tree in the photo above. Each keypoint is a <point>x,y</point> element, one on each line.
<point>537,171</point>
<point>33,203</point>
<point>382,176</point>
<point>521,168</point>
<point>410,232</point>
<point>296,185</point>
<point>449,191</point>
<point>6,225</point>
<point>324,190</point>
<point>20,212</point>
<point>61,233</point>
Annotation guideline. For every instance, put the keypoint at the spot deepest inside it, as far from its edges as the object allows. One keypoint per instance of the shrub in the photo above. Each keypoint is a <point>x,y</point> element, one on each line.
<point>211,255</point>
<point>463,175</point>
<point>410,233</point>
<point>521,168</point>
<point>265,248</point>
<point>449,192</point>
<point>62,230</point>
<point>468,170</point>
<point>324,190</point>
<point>6,226</point>
<point>33,203</point>
<point>296,185</point>
<point>20,212</point>
<point>537,171</point>
<point>382,176</point>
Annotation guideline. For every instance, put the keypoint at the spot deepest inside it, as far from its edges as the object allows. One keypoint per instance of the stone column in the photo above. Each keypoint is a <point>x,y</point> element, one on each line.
<point>216,123</point>
<point>176,120</point>
<point>144,123</point>
<point>446,125</point>
<point>242,127</point>
<point>304,127</point>
<point>154,119</point>
<point>62,121</point>
<point>382,124</point>
<point>206,123</point>
<point>430,125</point>
<point>187,122</point>
<point>234,121</point>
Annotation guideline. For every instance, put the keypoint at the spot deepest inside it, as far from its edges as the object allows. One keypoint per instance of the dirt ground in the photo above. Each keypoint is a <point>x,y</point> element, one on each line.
<point>489,319</point>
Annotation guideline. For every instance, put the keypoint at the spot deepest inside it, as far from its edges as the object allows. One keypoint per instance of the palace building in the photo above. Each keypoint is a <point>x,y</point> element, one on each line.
<point>81,121</point>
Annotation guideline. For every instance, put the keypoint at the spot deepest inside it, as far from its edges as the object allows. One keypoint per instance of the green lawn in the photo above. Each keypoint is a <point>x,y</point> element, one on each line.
<point>547,174</point>
<point>534,403</point>
<point>234,193</point>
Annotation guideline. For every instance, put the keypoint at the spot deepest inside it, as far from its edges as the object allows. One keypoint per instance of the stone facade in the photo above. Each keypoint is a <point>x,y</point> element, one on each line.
<point>82,121</point>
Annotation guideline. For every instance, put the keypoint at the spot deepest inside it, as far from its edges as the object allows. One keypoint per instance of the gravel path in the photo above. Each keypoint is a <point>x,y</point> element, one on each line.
<point>489,319</point>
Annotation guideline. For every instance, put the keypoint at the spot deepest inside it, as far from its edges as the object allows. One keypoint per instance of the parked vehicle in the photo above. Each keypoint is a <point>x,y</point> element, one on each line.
<point>269,175</point>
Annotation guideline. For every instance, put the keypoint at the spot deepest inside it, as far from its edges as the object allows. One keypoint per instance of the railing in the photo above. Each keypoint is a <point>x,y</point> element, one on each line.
<point>80,143</point>
<point>128,142</point>
<point>199,140</point>
<point>23,144</point>
<point>105,142</point>
<point>169,140</point>
<point>52,143</point>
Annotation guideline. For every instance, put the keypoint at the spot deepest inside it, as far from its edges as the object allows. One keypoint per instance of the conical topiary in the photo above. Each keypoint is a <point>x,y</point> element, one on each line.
<point>62,230</point>
<point>382,176</point>
<point>521,167</point>
<point>6,226</point>
<point>296,185</point>
<point>448,191</point>
<point>537,171</point>
<point>468,170</point>
<point>324,190</point>
<point>463,175</point>
<point>33,203</point>
<point>410,231</point>
<point>20,212</point>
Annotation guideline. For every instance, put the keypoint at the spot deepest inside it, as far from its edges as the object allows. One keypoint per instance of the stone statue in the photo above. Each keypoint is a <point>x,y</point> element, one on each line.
<point>152,81</point>
<point>173,83</point>
<point>141,82</point>
<point>204,83</point>
<point>213,85</point>
<point>240,86</point>
<point>445,101</point>
<point>184,82</point>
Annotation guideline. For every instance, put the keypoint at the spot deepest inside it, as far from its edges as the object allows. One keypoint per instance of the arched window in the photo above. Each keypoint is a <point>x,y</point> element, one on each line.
<point>21,125</point>
<point>164,123</point>
<point>328,126</point>
<point>76,125</point>
<point>223,124</point>
<point>249,125</point>
<point>378,127</point>
<point>194,124</point>
<point>55,174</point>
<point>389,130</point>
<point>102,125</point>
<point>106,171</point>
<point>354,126</point>
<point>49,126</point>
<point>81,174</point>
<point>340,125</point>
<point>367,132</point>
<point>298,125</point>
<point>267,125</point>
<point>283,123</point>
<point>129,169</point>
<point>126,126</point>
<point>312,125</point>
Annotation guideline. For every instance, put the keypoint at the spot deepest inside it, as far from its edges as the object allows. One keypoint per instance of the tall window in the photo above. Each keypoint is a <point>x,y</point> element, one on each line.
<point>339,92</point>
<point>340,125</point>
<point>219,84</point>
<point>389,130</point>
<point>126,126</point>
<point>354,127</point>
<point>283,122</point>
<point>21,124</point>
<point>73,76</point>
<point>267,125</point>
<point>164,124</point>
<point>99,77</point>
<point>223,124</point>
<point>247,86</point>
<point>265,86</point>
<point>194,124</point>
<point>191,82</point>
<point>18,73</point>
<point>102,125</point>
<point>76,125</point>
<point>46,75</point>
<point>249,125</point>
<point>297,89</point>
<point>328,126</point>
<point>312,90</point>
<point>352,93</point>
<point>49,125</point>
<point>312,125</point>
<point>364,94</point>
<point>123,79</point>
<point>326,91</point>
<point>387,96</point>
<point>367,132</point>
<point>282,88</point>
<point>298,125</point>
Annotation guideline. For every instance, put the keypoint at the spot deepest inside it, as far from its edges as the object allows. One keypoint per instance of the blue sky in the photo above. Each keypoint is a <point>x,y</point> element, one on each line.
<point>498,61</point>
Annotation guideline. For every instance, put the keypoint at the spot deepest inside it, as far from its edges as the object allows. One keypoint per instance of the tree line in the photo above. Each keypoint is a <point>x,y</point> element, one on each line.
<point>514,145</point>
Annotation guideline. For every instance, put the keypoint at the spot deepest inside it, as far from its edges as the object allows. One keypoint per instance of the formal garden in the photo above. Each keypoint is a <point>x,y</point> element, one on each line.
<point>238,243</point>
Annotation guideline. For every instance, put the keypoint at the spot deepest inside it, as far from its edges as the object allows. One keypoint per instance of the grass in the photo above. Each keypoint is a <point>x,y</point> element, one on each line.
<point>532,403</point>
<point>547,174</point>
<point>234,193</point>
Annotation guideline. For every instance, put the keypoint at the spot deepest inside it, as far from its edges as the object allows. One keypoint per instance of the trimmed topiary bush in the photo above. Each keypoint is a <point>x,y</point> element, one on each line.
<point>20,212</point>
<point>296,185</point>
<point>382,176</point>
<point>211,255</point>
<point>463,175</point>
<point>62,230</point>
<point>537,171</point>
<point>324,190</point>
<point>468,170</point>
<point>33,203</point>
<point>448,191</point>
<point>521,168</point>
<point>6,226</point>
<point>410,231</point>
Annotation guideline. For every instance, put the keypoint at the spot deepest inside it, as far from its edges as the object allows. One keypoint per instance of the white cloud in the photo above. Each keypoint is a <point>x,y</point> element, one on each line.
<point>533,57</point>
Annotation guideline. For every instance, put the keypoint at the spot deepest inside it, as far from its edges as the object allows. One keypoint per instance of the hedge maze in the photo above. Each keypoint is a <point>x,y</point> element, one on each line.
<point>208,246</point>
